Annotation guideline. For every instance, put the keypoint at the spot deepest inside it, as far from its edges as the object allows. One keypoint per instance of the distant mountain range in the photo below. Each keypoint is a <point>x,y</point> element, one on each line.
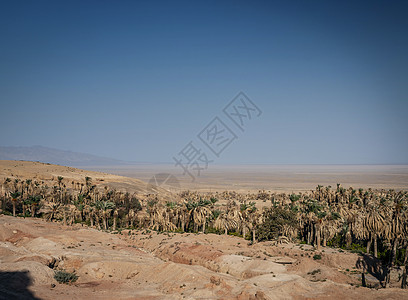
<point>56,156</point>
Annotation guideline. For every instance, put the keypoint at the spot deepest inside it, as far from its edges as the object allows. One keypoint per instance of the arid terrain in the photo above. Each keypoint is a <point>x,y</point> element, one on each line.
<point>277,178</point>
<point>142,263</point>
<point>48,173</point>
<point>221,150</point>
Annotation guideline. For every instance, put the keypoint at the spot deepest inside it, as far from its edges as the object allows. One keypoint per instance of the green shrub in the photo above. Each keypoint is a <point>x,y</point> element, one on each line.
<point>275,220</point>
<point>336,242</point>
<point>214,230</point>
<point>357,248</point>
<point>234,233</point>
<point>317,256</point>
<point>65,277</point>
<point>314,272</point>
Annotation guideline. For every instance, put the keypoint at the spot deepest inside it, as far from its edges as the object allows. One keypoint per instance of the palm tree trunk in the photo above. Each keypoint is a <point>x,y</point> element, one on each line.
<point>114,223</point>
<point>64,217</point>
<point>204,226</point>
<point>98,225</point>
<point>404,274</point>
<point>318,238</point>
<point>369,244</point>
<point>363,280</point>
<point>391,263</point>
<point>375,246</point>
<point>312,234</point>
<point>14,209</point>
<point>348,237</point>
<point>104,223</point>
<point>253,236</point>
<point>404,278</point>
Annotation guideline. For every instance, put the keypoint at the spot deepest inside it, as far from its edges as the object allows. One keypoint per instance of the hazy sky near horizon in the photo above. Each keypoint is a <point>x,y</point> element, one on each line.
<point>138,80</point>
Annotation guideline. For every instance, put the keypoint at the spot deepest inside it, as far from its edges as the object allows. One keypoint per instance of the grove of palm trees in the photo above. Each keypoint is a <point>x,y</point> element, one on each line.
<point>370,222</point>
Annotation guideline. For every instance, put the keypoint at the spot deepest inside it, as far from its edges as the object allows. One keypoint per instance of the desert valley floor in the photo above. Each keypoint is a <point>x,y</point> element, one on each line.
<point>277,178</point>
<point>148,264</point>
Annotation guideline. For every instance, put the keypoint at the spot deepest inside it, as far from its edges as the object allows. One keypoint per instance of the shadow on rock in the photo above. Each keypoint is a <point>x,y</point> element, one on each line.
<point>371,265</point>
<point>14,285</point>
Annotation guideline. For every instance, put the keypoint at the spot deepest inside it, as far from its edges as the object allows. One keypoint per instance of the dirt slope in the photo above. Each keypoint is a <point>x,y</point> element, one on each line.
<point>137,265</point>
<point>49,174</point>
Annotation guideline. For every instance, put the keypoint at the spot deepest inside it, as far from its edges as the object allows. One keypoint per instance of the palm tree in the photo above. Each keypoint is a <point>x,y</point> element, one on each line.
<point>245,216</point>
<point>199,212</point>
<point>183,216</point>
<point>6,183</point>
<point>404,274</point>
<point>64,214</point>
<point>16,181</point>
<point>395,229</point>
<point>34,201</point>
<point>51,211</point>
<point>374,223</point>
<point>363,216</point>
<point>105,208</point>
<point>5,189</point>
<point>330,226</point>
<point>115,217</point>
<point>28,185</point>
<point>89,211</point>
<point>14,199</point>
<point>225,222</point>
<point>88,182</point>
<point>60,178</point>
<point>254,218</point>
<point>244,211</point>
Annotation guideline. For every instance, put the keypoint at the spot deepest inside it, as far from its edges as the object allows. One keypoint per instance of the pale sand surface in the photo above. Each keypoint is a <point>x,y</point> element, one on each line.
<point>140,265</point>
<point>148,265</point>
<point>279,178</point>
<point>49,173</point>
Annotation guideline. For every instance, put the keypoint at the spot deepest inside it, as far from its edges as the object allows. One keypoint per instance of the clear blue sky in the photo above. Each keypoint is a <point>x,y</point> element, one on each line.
<point>137,80</point>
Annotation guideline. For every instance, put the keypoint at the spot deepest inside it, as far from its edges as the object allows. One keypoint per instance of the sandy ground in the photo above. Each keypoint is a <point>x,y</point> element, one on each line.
<point>244,178</point>
<point>279,178</point>
<point>147,265</point>
<point>49,173</point>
